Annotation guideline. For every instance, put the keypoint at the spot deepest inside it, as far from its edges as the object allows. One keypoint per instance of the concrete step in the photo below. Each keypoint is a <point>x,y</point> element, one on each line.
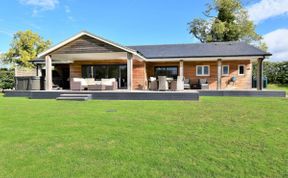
<point>73,98</point>
<point>75,95</point>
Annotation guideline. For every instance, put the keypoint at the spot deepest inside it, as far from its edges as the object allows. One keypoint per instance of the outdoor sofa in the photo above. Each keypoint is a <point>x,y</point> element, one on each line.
<point>91,84</point>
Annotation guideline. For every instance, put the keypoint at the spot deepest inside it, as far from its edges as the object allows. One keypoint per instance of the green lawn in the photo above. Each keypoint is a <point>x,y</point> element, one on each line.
<point>215,137</point>
<point>278,87</point>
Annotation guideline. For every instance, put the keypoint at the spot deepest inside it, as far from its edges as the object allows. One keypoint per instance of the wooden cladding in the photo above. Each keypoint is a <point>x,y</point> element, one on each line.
<point>242,82</point>
<point>143,70</point>
<point>86,44</point>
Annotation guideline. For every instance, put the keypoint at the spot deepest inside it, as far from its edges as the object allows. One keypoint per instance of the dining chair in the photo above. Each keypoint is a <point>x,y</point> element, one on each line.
<point>163,83</point>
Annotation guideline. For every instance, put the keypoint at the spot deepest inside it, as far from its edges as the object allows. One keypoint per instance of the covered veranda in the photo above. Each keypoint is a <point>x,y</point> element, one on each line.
<point>84,53</point>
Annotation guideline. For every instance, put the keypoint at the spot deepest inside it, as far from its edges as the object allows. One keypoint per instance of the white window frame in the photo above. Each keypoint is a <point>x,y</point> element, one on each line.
<point>202,69</point>
<point>223,70</point>
<point>244,70</point>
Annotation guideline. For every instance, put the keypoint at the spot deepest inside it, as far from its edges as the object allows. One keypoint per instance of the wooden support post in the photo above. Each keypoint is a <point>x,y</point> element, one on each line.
<point>48,65</point>
<point>129,71</point>
<point>38,70</point>
<point>260,74</point>
<point>181,68</point>
<point>219,73</point>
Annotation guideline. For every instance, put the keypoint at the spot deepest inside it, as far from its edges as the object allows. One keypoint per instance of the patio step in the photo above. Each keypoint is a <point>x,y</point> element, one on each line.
<point>75,97</point>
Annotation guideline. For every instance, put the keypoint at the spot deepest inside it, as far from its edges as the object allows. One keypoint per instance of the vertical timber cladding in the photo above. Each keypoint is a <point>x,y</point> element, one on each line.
<point>139,75</point>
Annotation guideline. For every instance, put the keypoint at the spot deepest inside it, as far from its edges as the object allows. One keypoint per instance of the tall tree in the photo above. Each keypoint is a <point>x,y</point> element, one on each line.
<point>25,46</point>
<point>226,20</point>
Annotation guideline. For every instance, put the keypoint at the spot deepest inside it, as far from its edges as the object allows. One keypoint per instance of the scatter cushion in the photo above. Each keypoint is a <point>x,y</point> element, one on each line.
<point>152,79</point>
<point>90,81</point>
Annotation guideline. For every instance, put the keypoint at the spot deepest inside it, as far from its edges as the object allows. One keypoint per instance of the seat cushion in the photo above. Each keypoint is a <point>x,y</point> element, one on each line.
<point>90,81</point>
<point>83,81</point>
<point>152,79</point>
<point>107,81</point>
<point>98,82</point>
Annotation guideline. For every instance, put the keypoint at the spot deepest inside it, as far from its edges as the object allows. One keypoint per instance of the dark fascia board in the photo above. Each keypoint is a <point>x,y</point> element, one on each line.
<point>171,57</point>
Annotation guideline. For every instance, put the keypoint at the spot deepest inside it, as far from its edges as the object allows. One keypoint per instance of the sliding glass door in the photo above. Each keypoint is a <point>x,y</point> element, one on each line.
<point>119,72</point>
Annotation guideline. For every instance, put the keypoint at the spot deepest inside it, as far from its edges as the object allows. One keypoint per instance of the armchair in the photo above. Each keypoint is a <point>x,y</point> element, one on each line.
<point>204,84</point>
<point>153,85</point>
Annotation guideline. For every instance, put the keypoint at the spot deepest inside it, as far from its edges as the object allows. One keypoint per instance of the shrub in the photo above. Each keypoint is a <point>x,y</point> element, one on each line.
<point>276,72</point>
<point>6,78</point>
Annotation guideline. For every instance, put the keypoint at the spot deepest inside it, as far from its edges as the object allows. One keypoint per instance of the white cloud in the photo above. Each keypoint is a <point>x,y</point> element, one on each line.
<point>277,44</point>
<point>266,9</point>
<point>67,9</point>
<point>41,4</point>
<point>68,12</point>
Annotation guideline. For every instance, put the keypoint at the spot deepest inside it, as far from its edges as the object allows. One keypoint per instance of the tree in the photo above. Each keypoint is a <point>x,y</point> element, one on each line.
<point>276,72</point>
<point>25,46</point>
<point>231,23</point>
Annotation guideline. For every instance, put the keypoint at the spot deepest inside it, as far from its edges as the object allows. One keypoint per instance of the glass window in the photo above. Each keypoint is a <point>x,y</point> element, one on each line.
<point>203,70</point>
<point>225,70</point>
<point>206,70</point>
<point>241,70</point>
<point>87,71</point>
<point>166,71</point>
<point>199,70</point>
<point>98,72</point>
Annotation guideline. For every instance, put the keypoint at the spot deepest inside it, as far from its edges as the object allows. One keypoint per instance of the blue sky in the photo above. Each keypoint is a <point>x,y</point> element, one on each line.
<point>133,22</point>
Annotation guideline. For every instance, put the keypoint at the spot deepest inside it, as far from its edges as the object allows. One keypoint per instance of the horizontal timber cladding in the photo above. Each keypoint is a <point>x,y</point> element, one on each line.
<point>76,67</point>
<point>86,44</point>
<point>242,81</point>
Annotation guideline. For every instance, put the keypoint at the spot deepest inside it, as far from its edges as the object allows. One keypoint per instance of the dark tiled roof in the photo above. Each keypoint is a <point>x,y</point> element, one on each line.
<point>218,49</point>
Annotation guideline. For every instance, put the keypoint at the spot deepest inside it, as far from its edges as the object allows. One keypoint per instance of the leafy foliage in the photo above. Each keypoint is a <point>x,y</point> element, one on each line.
<point>230,24</point>
<point>26,45</point>
<point>276,72</point>
<point>6,78</point>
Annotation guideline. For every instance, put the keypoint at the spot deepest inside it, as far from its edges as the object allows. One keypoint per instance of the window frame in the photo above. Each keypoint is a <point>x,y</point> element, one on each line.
<point>244,70</point>
<point>223,70</point>
<point>202,70</point>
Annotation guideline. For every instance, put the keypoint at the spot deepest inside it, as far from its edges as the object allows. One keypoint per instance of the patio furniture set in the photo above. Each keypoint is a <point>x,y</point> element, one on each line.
<point>164,83</point>
<point>92,84</point>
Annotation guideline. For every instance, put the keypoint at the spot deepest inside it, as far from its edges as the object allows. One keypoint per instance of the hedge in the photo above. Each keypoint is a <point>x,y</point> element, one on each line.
<point>276,72</point>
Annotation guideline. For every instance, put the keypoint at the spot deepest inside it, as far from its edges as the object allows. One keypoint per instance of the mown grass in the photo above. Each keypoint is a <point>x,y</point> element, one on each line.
<point>215,137</point>
<point>279,87</point>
